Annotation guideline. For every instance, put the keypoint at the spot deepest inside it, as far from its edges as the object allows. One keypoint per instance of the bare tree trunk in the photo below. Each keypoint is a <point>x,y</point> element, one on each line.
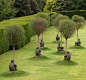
<point>38,41</point>
<point>66,46</point>
<point>14,53</point>
<point>58,32</point>
<point>42,36</point>
<point>77,34</point>
<point>61,39</point>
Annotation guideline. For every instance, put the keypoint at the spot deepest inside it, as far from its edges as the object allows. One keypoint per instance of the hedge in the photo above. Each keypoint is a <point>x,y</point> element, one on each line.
<point>3,43</point>
<point>75,12</point>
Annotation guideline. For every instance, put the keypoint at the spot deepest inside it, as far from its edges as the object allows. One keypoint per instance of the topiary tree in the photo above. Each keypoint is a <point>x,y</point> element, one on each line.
<point>14,35</point>
<point>56,23</point>
<point>80,21</point>
<point>53,17</point>
<point>38,25</point>
<point>68,28</point>
<point>43,15</point>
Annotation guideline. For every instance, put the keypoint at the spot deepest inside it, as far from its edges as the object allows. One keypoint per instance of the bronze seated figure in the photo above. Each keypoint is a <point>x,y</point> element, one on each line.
<point>78,43</point>
<point>41,43</point>
<point>12,66</point>
<point>57,38</point>
<point>60,48</point>
<point>67,56</point>
<point>37,51</point>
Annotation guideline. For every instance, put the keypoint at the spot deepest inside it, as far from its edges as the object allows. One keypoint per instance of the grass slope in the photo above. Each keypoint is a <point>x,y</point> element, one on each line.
<point>50,65</point>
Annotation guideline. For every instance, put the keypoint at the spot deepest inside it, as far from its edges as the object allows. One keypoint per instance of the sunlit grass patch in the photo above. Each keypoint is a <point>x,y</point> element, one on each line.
<point>76,47</point>
<point>59,53</point>
<point>66,63</point>
<point>44,48</point>
<point>57,42</point>
<point>40,57</point>
<point>16,73</point>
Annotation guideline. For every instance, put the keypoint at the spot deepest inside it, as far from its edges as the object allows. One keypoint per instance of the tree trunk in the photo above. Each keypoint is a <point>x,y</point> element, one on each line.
<point>61,39</point>
<point>42,36</point>
<point>66,46</point>
<point>58,32</point>
<point>77,34</point>
<point>38,41</point>
<point>14,53</point>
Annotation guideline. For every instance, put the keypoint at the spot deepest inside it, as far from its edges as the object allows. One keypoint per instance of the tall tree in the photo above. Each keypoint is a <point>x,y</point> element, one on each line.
<point>68,28</point>
<point>23,7</point>
<point>14,34</point>
<point>80,22</point>
<point>38,25</point>
<point>43,15</point>
<point>56,23</point>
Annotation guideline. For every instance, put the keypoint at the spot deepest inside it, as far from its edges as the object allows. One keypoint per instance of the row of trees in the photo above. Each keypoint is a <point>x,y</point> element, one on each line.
<point>15,34</point>
<point>66,26</point>
<point>16,8</point>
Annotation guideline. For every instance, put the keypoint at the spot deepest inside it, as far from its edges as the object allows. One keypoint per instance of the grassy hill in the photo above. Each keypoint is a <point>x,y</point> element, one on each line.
<point>50,65</point>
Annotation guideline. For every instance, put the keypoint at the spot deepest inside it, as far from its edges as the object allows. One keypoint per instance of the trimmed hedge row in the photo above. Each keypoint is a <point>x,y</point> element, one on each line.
<point>28,36</point>
<point>4,46</point>
<point>3,43</point>
<point>75,12</point>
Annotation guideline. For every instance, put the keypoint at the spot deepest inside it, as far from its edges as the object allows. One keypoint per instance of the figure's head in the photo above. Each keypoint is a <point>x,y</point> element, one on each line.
<point>67,52</point>
<point>37,47</point>
<point>41,40</point>
<point>78,39</point>
<point>12,61</point>
<point>59,44</point>
<point>57,34</point>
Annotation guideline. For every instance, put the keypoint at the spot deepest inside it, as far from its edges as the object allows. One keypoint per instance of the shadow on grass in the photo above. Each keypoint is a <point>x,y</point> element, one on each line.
<point>39,57</point>
<point>59,53</point>
<point>16,73</point>
<point>66,63</point>
<point>44,48</point>
<point>77,47</point>
<point>57,42</point>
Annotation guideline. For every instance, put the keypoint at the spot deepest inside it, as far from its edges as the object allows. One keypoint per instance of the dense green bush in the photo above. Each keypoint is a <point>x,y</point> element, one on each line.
<point>75,12</point>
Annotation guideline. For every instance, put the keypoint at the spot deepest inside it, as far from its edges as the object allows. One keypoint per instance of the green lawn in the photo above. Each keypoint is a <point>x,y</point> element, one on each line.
<point>50,65</point>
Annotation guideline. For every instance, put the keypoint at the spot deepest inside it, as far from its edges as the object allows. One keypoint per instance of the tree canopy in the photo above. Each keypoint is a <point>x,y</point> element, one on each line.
<point>14,34</point>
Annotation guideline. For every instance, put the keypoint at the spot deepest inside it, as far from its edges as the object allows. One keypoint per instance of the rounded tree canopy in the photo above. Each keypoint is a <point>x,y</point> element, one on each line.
<point>54,16</point>
<point>58,18</point>
<point>38,25</point>
<point>14,34</point>
<point>79,20</point>
<point>68,27</point>
<point>43,15</point>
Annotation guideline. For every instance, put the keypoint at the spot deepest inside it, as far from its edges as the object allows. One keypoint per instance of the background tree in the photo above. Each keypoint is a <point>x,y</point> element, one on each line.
<point>43,15</point>
<point>53,17</point>
<point>68,28</point>
<point>60,5</point>
<point>60,17</point>
<point>41,4</point>
<point>14,34</point>
<point>29,7</point>
<point>48,6</point>
<point>80,21</point>
<point>38,25</point>
<point>56,23</point>
<point>7,9</point>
